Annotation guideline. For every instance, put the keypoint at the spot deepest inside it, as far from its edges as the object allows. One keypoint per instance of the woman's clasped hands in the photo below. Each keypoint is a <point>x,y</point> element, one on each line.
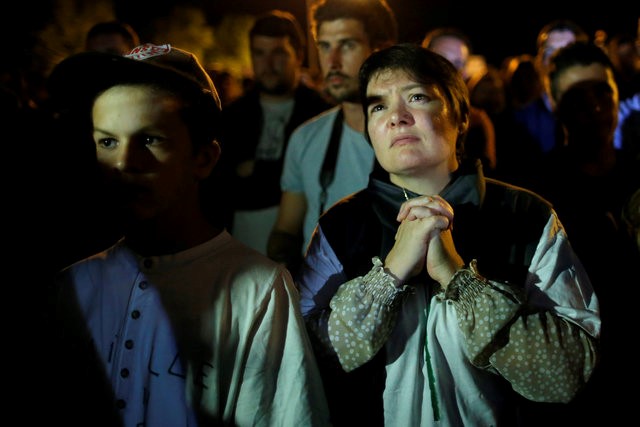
<point>424,239</point>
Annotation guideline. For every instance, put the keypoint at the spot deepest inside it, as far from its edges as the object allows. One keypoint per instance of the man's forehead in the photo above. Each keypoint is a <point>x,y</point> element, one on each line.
<point>579,73</point>
<point>261,41</point>
<point>342,28</point>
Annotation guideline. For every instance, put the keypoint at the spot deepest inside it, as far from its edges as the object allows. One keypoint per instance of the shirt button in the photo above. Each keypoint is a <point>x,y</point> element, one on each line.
<point>148,263</point>
<point>135,314</point>
<point>143,285</point>
<point>124,373</point>
<point>128,344</point>
<point>121,404</point>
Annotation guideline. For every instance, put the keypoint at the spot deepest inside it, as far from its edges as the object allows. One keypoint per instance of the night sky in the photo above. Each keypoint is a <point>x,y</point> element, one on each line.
<point>495,31</point>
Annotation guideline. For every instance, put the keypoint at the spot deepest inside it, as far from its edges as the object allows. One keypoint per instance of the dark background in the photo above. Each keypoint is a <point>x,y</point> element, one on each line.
<point>496,30</point>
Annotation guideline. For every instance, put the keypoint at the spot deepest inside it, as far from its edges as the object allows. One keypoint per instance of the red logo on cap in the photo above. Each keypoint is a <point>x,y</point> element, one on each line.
<point>148,50</point>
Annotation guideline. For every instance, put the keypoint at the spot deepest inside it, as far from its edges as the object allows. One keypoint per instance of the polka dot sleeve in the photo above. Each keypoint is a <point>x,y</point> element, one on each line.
<point>545,358</point>
<point>364,311</point>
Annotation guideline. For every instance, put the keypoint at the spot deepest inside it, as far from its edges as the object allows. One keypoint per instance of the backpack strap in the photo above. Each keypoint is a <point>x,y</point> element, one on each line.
<point>329,165</point>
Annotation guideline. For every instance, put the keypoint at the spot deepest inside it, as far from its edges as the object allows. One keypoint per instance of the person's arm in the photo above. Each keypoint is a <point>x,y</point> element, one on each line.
<point>285,241</point>
<point>547,331</point>
<point>547,354</point>
<point>320,277</point>
<point>281,383</point>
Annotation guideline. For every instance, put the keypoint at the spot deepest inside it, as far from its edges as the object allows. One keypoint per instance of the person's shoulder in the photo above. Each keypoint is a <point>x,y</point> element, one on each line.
<point>523,212</point>
<point>316,123</point>
<point>311,97</point>
<point>246,263</point>
<point>346,207</point>
<point>239,106</point>
<point>108,255</point>
<point>350,226</point>
<point>312,134</point>
<point>518,196</point>
<point>87,272</point>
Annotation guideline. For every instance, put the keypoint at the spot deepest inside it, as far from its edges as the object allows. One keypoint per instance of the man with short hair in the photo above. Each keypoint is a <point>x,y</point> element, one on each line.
<point>256,128</point>
<point>328,157</point>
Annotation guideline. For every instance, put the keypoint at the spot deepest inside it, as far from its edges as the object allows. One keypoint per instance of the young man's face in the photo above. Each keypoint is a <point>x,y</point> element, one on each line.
<point>343,46</point>
<point>145,149</point>
<point>276,64</point>
<point>454,49</point>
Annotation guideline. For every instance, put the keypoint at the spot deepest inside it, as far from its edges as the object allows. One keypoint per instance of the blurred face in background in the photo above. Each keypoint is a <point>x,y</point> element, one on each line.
<point>454,49</point>
<point>276,64</point>
<point>343,45</point>
<point>555,40</point>
<point>587,103</point>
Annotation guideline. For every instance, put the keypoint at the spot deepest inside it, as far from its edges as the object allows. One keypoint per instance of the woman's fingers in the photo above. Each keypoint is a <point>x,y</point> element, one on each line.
<point>424,206</point>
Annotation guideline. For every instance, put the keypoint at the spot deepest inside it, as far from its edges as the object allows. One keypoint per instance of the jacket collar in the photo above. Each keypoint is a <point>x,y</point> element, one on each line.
<point>467,186</point>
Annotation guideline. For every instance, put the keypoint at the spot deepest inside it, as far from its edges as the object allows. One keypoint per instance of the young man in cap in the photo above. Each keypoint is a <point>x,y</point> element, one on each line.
<point>177,324</point>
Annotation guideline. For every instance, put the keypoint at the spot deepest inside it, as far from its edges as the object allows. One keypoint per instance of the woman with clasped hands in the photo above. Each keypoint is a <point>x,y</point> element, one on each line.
<point>437,296</point>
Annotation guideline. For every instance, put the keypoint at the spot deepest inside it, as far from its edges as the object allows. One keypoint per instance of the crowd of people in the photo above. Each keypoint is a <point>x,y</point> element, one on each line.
<point>414,238</point>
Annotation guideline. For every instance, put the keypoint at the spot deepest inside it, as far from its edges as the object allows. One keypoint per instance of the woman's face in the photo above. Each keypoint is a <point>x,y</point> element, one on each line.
<point>411,126</point>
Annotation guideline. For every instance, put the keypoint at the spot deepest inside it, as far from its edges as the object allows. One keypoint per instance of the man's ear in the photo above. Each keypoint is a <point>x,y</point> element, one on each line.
<point>206,159</point>
<point>464,126</point>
